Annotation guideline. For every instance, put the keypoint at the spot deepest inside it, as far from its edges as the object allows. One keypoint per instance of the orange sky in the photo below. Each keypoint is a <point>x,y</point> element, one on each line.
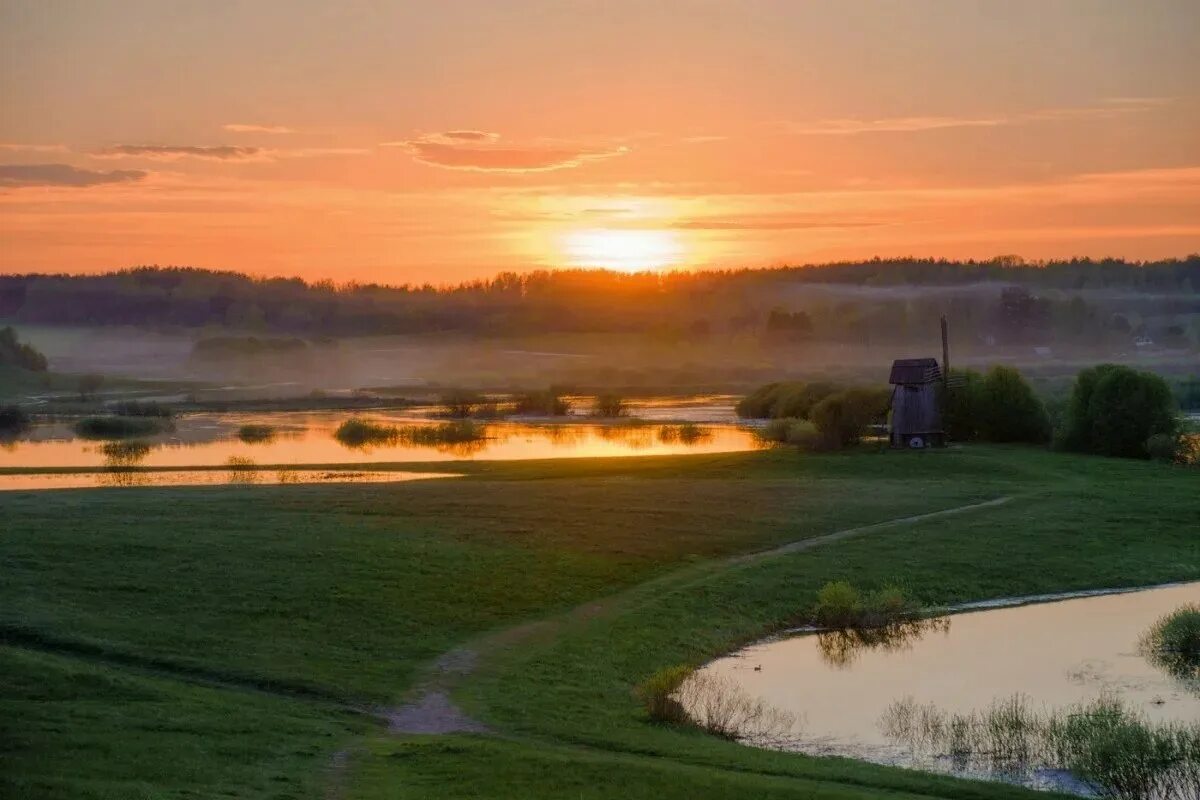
<point>415,141</point>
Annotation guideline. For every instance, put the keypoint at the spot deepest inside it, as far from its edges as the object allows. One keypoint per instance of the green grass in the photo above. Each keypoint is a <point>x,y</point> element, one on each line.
<point>74,729</point>
<point>346,593</point>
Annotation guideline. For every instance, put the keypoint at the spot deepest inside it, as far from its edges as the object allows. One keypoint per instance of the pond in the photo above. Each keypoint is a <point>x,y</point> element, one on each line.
<point>297,439</point>
<point>840,690</point>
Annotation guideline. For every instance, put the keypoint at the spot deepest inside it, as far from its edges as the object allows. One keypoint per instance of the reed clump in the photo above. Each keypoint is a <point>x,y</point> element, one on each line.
<point>1173,642</point>
<point>124,454</point>
<point>1105,743</point>
<point>684,433</point>
<point>841,605</point>
<point>256,434</point>
<point>116,427</point>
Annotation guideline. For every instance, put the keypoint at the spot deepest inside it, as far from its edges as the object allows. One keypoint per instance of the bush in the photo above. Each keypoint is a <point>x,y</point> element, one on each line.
<point>683,433</point>
<point>256,434</point>
<point>357,432</point>
<point>15,354</point>
<point>758,404</point>
<point>1164,447</point>
<point>1173,642</point>
<point>119,427</point>
<point>544,404</point>
<point>783,399</point>
<point>12,419</point>
<point>657,694</point>
<point>457,432</point>
<point>799,399</point>
<point>459,403</point>
<point>962,405</point>
<point>838,605</point>
<point>798,432</point>
<point>1009,410</point>
<point>121,455</point>
<point>1115,410</point>
<point>844,418</point>
<point>841,605</point>
<point>609,405</point>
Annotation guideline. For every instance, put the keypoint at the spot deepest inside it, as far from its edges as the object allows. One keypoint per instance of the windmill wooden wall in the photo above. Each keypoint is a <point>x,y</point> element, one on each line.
<point>916,403</point>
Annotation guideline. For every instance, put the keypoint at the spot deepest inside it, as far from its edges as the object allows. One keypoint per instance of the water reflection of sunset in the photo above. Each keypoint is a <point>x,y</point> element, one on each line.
<point>309,440</point>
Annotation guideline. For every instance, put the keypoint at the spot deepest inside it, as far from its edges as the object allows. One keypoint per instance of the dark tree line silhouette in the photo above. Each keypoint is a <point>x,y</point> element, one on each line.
<point>697,304</point>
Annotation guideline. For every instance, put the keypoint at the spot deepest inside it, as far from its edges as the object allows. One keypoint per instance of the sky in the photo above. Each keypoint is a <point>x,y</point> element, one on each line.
<point>436,142</point>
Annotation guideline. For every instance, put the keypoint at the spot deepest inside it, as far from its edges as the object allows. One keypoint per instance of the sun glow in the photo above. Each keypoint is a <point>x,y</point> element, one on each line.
<point>623,250</point>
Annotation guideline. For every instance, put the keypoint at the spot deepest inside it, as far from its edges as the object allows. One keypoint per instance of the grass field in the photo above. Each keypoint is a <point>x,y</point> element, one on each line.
<point>232,641</point>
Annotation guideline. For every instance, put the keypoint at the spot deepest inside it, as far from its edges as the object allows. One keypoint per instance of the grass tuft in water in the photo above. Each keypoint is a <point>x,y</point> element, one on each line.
<point>256,434</point>
<point>685,433</point>
<point>120,427</point>
<point>1173,643</point>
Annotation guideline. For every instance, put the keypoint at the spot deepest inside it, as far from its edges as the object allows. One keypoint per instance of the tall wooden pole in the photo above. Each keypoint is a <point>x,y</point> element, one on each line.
<point>945,352</point>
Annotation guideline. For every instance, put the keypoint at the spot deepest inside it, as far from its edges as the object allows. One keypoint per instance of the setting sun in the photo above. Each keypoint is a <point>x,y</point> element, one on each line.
<point>624,250</point>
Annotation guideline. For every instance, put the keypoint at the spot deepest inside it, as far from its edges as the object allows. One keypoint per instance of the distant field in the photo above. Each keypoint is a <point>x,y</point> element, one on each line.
<point>186,623</point>
<point>633,363</point>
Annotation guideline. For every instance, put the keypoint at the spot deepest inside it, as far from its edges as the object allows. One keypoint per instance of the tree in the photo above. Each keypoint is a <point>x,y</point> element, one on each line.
<point>1010,411</point>
<point>14,353</point>
<point>1115,410</point>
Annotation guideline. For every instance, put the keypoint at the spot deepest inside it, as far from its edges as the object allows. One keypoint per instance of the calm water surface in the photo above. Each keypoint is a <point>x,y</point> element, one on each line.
<point>1056,653</point>
<point>211,440</point>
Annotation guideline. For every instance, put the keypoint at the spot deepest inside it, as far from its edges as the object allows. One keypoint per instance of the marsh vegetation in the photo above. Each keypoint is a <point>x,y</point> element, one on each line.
<point>1111,747</point>
<point>1173,643</point>
<point>256,433</point>
<point>119,427</point>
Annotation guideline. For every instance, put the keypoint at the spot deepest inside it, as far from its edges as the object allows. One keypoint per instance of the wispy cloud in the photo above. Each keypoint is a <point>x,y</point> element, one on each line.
<point>17,147</point>
<point>223,152</point>
<point>851,127</point>
<point>1106,108</point>
<point>482,152</point>
<point>242,127</point>
<point>470,136</point>
<point>26,175</point>
<point>775,222</point>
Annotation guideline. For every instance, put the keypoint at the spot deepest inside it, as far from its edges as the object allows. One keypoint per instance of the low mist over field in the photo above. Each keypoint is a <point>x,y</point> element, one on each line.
<point>684,331</point>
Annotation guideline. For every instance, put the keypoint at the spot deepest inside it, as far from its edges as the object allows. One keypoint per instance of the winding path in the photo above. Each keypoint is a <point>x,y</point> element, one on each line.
<point>431,711</point>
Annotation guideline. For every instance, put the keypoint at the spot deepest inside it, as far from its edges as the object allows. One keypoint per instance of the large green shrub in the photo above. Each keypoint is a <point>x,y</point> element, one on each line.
<point>1009,410</point>
<point>962,407</point>
<point>798,399</point>
<point>798,432</point>
<point>844,418</point>
<point>1115,410</point>
<point>759,403</point>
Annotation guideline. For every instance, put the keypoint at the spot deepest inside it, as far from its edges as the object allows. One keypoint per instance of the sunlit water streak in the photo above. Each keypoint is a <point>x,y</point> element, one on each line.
<point>211,440</point>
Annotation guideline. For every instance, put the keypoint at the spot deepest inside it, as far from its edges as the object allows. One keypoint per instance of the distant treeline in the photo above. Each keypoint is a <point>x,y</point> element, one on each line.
<point>877,297</point>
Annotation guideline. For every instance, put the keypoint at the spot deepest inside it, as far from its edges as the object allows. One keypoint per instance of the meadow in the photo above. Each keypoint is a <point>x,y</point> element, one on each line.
<point>252,641</point>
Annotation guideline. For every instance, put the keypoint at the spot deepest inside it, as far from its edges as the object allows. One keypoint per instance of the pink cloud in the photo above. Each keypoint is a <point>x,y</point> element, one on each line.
<point>482,152</point>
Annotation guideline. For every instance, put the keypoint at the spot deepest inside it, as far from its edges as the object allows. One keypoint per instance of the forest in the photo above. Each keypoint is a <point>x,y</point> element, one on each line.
<point>1005,299</point>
